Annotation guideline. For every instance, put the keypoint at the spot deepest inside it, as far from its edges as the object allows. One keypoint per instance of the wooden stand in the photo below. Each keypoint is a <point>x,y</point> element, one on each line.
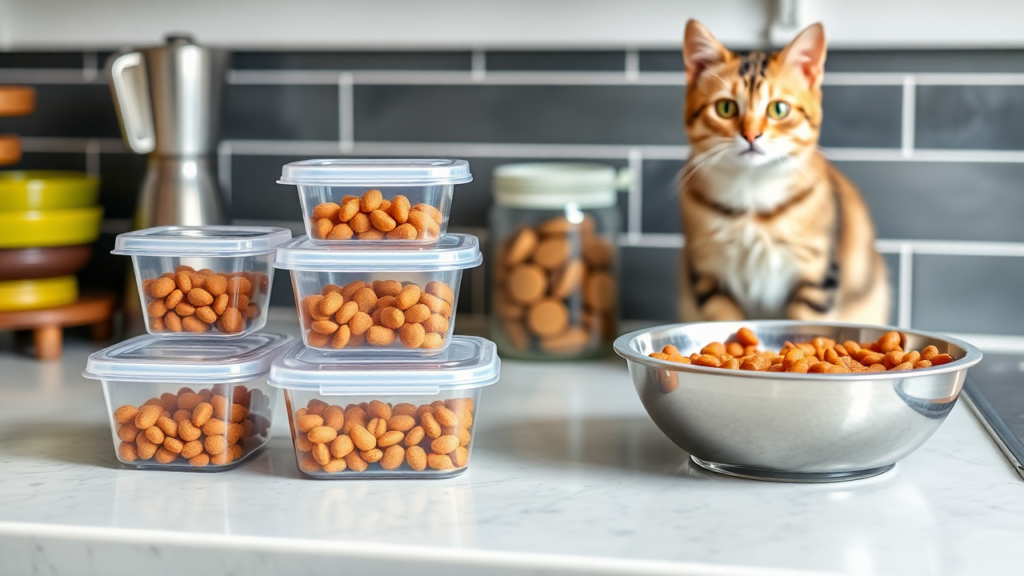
<point>92,309</point>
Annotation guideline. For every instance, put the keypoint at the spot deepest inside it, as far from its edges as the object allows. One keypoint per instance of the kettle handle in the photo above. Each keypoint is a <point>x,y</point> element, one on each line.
<point>130,87</point>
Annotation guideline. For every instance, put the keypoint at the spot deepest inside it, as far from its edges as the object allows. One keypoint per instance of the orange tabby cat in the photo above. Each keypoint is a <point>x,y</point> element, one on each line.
<point>773,230</point>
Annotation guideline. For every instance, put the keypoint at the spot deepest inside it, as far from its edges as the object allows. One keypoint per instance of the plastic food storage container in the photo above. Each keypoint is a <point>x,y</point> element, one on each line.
<point>555,261</point>
<point>398,300</point>
<point>203,281</point>
<point>202,405</point>
<point>382,201</point>
<point>407,418</point>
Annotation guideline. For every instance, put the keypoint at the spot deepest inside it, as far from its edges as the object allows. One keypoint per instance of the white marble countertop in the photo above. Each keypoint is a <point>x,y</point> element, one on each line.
<point>568,476</point>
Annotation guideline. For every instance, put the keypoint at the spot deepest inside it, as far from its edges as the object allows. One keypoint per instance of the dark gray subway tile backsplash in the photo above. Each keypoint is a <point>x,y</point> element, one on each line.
<point>308,60</point>
<point>51,161</point>
<point>900,61</point>
<point>255,193</point>
<point>661,180</point>
<point>42,59</point>
<point>662,60</point>
<point>649,283</point>
<point>970,117</point>
<point>68,110</point>
<point>120,178</point>
<point>924,61</point>
<point>968,294</point>
<point>861,116</point>
<point>972,199</point>
<point>290,112</point>
<point>578,61</point>
<point>527,114</point>
<point>942,200</point>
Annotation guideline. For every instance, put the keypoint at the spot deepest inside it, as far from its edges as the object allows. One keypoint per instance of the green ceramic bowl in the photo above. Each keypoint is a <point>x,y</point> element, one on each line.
<point>22,190</point>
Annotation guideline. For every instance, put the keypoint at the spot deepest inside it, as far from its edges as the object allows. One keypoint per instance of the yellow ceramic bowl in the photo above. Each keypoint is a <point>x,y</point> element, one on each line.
<point>46,190</point>
<point>42,228</point>
<point>37,294</point>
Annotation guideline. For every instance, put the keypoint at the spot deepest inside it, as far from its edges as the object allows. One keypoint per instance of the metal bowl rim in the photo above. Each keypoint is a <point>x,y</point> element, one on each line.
<point>971,357</point>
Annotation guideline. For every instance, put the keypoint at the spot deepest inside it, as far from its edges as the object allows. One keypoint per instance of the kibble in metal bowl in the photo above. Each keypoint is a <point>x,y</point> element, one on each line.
<point>786,426</point>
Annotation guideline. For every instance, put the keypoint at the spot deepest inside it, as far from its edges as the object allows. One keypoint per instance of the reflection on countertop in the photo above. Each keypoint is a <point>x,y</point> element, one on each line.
<point>568,475</point>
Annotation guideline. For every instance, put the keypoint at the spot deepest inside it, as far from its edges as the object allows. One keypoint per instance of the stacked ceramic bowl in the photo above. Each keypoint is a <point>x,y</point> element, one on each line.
<point>47,221</point>
<point>379,385</point>
<point>193,394</point>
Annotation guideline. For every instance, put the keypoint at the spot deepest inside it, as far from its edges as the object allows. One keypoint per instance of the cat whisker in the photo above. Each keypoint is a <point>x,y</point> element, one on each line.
<point>703,160</point>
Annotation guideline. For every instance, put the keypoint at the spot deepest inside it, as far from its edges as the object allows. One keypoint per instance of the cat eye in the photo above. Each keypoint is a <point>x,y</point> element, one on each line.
<point>778,110</point>
<point>726,108</point>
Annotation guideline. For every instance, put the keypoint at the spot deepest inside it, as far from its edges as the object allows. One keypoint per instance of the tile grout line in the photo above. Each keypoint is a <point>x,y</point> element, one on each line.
<point>90,66</point>
<point>632,65</point>
<point>346,112</point>
<point>906,278</point>
<point>908,120</point>
<point>224,172</point>
<point>634,223</point>
<point>92,157</point>
<point>257,147</point>
<point>883,245</point>
<point>478,74</point>
<point>478,65</point>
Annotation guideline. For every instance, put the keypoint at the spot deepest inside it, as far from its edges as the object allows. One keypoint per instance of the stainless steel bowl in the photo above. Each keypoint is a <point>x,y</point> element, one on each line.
<point>793,427</point>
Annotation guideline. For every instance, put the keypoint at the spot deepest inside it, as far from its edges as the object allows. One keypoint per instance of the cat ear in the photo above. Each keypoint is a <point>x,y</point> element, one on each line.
<point>807,53</point>
<point>700,50</point>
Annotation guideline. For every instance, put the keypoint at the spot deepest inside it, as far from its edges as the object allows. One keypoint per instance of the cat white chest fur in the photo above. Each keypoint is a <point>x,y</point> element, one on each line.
<point>758,265</point>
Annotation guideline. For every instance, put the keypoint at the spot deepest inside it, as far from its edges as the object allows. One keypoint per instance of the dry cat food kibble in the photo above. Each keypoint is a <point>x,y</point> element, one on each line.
<point>555,288</point>
<point>372,217</point>
<point>197,302</point>
<point>818,356</point>
<point>378,313</point>
<point>378,436</point>
<point>209,427</point>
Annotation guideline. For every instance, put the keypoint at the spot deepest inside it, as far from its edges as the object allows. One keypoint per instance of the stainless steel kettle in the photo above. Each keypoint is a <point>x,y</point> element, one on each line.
<point>168,100</point>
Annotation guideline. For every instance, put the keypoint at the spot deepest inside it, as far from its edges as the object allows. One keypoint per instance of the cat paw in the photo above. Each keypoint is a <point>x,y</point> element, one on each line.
<point>720,308</point>
<point>808,311</point>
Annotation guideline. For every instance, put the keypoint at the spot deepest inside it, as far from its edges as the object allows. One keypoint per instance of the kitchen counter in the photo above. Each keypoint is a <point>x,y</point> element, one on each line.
<point>568,476</point>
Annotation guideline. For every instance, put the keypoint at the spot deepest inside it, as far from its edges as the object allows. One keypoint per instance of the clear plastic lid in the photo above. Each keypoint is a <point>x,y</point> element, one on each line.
<point>393,172</point>
<point>451,252</point>
<point>469,362</point>
<point>201,241</point>
<point>152,359</point>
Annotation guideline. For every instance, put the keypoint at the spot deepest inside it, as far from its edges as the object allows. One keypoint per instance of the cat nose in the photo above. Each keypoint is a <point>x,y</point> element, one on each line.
<point>751,135</point>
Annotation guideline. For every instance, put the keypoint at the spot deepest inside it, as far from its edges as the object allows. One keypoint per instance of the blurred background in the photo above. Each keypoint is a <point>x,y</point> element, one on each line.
<point>924,111</point>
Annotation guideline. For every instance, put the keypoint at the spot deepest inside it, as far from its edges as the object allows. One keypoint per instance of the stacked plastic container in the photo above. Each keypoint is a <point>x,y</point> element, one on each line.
<point>193,394</point>
<point>380,387</point>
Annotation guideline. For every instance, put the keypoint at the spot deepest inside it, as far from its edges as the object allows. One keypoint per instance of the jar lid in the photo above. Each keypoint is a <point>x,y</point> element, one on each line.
<point>201,241</point>
<point>385,172</point>
<point>451,252</point>
<point>553,185</point>
<point>468,362</point>
<point>153,359</point>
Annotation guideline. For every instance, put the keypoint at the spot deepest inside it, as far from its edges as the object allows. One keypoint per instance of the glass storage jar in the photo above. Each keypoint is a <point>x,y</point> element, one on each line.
<point>555,261</point>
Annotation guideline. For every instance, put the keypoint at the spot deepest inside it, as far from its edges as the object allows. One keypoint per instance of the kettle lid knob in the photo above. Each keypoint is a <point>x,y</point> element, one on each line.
<point>178,38</point>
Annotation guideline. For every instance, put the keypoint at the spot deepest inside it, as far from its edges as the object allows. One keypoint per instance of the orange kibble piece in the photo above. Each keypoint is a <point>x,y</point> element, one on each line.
<point>360,323</point>
<point>370,201</point>
<point>746,337</point>
<point>382,221</point>
<point>941,359</point>
<point>327,210</point>
<point>322,228</point>
<point>708,360</point>
<point>889,341</point>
